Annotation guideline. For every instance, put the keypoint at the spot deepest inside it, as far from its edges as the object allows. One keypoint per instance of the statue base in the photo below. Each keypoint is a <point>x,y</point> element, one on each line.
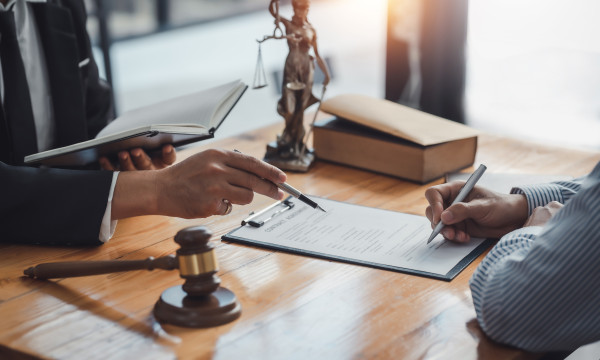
<point>286,159</point>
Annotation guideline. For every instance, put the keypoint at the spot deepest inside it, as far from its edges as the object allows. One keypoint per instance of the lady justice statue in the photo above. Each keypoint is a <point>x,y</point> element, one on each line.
<point>289,152</point>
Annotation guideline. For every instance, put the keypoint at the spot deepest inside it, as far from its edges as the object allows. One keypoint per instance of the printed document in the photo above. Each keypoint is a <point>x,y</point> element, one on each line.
<point>358,234</point>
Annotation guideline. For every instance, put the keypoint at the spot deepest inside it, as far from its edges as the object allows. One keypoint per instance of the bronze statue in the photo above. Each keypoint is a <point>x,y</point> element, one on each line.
<point>289,152</point>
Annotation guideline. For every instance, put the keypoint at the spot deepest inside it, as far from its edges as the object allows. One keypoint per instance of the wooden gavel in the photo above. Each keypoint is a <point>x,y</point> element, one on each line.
<point>199,302</point>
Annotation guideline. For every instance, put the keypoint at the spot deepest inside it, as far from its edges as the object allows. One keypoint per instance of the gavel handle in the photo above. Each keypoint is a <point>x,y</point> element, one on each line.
<point>86,268</point>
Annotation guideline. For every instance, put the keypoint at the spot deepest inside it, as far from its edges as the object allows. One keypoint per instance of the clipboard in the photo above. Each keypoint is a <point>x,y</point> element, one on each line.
<point>292,227</point>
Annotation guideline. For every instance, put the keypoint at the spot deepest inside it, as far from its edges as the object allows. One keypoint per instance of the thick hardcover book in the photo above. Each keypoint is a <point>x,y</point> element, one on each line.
<point>392,139</point>
<point>177,121</point>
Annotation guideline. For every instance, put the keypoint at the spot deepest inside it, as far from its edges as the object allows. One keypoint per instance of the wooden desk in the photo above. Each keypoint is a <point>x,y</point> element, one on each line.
<point>294,307</point>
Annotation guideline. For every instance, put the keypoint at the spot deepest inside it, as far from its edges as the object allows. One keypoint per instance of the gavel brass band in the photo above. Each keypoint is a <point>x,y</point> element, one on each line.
<point>197,264</point>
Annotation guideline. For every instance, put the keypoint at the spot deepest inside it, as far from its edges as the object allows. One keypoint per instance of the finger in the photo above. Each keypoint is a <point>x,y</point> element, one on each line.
<point>461,232</point>
<point>435,198</point>
<point>257,167</point>
<point>448,232</point>
<point>429,215</point>
<point>228,207</point>
<point>169,155</point>
<point>253,183</point>
<point>219,206</point>
<point>238,195</point>
<point>555,205</point>
<point>461,236</point>
<point>141,160</point>
<point>449,190</point>
<point>106,164</point>
<point>125,162</point>
<point>439,195</point>
<point>458,212</point>
<point>434,194</point>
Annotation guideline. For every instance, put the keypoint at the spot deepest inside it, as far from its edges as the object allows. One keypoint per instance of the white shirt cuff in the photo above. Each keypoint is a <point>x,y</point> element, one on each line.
<point>107,228</point>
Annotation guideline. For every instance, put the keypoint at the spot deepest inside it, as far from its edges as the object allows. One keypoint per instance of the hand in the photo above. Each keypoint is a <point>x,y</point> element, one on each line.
<point>199,186</point>
<point>483,213</point>
<point>541,214</point>
<point>137,159</point>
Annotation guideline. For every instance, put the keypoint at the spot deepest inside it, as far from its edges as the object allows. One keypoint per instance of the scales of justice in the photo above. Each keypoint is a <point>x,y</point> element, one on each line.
<point>289,152</point>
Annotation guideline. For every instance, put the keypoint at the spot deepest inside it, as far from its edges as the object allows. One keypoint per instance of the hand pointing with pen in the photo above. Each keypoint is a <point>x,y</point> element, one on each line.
<point>205,184</point>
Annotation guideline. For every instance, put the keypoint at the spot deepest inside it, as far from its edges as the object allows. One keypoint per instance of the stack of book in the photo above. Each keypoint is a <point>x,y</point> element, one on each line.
<point>385,137</point>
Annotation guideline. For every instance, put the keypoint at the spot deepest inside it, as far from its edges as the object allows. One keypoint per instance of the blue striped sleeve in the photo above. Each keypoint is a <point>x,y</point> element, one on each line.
<point>538,288</point>
<point>542,194</point>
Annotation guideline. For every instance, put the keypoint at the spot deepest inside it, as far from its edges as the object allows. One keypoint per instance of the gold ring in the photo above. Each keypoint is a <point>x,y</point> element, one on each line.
<point>229,206</point>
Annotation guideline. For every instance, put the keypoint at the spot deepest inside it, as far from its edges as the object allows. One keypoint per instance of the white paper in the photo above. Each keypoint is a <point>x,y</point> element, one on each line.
<point>359,233</point>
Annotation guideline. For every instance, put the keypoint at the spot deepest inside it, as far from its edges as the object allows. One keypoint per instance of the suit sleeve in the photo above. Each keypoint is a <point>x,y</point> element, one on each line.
<point>52,206</point>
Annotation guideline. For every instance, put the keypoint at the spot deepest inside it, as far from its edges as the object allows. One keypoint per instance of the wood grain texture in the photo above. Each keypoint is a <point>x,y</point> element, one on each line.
<point>293,307</point>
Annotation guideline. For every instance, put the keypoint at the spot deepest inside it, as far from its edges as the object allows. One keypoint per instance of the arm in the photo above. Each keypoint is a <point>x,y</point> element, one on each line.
<point>536,289</point>
<point>55,206</point>
<point>274,8</point>
<point>322,64</point>
<point>44,206</point>
<point>196,187</point>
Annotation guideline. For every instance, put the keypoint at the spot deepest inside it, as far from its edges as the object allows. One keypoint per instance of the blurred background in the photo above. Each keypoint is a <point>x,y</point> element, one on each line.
<point>529,69</point>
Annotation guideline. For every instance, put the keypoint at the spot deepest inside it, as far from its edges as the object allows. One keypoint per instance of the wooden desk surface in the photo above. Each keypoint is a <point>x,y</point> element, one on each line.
<point>294,307</point>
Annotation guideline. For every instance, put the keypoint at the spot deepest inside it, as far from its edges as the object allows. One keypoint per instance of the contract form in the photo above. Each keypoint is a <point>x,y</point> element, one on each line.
<point>359,235</point>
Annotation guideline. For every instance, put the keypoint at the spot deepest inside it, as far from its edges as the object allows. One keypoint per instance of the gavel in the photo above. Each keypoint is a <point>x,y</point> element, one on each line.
<point>199,302</point>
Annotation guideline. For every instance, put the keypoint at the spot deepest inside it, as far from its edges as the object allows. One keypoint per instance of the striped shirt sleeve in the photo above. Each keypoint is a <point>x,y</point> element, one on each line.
<point>539,288</point>
<point>543,194</point>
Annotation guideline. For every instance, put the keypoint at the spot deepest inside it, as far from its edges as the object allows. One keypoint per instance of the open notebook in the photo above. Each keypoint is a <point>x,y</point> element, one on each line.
<point>177,121</point>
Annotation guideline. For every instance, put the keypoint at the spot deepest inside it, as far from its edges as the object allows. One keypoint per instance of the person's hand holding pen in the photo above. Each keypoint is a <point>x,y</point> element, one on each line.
<point>205,184</point>
<point>483,213</point>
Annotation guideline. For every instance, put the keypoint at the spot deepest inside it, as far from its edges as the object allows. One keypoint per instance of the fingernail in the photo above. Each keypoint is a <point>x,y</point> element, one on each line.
<point>446,233</point>
<point>124,156</point>
<point>447,216</point>
<point>280,194</point>
<point>282,177</point>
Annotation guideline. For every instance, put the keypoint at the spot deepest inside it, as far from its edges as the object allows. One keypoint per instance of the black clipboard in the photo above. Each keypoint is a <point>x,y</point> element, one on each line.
<point>276,210</point>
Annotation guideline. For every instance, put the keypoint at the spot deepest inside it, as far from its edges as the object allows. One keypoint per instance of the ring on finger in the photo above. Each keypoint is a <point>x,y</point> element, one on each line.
<point>229,206</point>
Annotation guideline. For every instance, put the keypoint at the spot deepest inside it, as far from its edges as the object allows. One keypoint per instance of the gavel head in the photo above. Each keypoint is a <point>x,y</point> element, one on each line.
<point>200,301</point>
<point>197,261</point>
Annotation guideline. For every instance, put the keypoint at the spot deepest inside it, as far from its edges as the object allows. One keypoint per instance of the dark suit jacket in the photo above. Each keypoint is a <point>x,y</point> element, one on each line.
<point>60,206</point>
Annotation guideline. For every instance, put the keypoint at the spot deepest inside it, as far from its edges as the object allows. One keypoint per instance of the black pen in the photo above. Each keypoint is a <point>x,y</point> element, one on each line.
<point>295,193</point>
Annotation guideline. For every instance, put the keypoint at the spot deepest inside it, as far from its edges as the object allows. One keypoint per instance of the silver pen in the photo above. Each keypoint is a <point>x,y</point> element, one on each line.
<point>295,193</point>
<point>462,194</point>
